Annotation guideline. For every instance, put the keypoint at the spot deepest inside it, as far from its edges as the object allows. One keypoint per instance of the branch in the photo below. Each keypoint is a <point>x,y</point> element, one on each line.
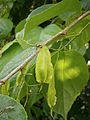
<point>49,41</point>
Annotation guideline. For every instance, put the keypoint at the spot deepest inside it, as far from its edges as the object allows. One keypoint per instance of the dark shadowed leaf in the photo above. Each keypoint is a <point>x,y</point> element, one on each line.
<point>11,109</point>
<point>5,27</point>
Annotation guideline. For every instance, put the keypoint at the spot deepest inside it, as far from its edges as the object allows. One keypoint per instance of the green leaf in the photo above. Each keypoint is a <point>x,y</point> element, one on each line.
<point>81,50</point>
<point>21,75</point>
<point>5,88</point>
<point>50,12</point>
<point>83,38</point>
<point>21,91</point>
<point>5,27</point>
<point>80,32</point>
<point>7,56</point>
<point>39,10</point>
<point>41,65</point>
<point>30,76</point>
<point>71,76</point>
<point>33,37</point>
<point>0,53</point>
<point>33,87</point>
<point>49,31</point>
<point>87,55</point>
<point>5,7</point>
<point>45,74</point>
<point>8,45</point>
<point>51,94</point>
<point>37,35</point>
<point>13,57</point>
<point>20,83</point>
<point>35,95</point>
<point>19,35</point>
<point>11,109</point>
<point>12,87</point>
<point>85,4</point>
<point>20,26</point>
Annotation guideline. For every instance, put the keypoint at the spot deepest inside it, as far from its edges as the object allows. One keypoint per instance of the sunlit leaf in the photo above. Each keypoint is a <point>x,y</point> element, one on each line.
<point>71,76</point>
<point>45,74</point>
<point>41,65</point>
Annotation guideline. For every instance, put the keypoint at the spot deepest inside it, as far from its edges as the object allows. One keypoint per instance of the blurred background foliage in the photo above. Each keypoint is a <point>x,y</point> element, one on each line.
<point>17,10</point>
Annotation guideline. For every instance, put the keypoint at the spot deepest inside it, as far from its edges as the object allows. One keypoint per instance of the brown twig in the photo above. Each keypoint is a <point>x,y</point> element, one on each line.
<point>49,41</point>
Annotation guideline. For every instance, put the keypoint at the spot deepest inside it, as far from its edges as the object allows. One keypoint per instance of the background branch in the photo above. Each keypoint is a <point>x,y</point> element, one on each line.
<point>49,41</point>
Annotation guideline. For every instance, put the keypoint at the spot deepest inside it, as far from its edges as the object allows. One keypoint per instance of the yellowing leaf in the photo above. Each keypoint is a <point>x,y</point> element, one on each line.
<point>21,76</point>
<point>51,95</point>
<point>45,74</point>
<point>21,88</point>
<point>41,65</point>
<point>5,88</point>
